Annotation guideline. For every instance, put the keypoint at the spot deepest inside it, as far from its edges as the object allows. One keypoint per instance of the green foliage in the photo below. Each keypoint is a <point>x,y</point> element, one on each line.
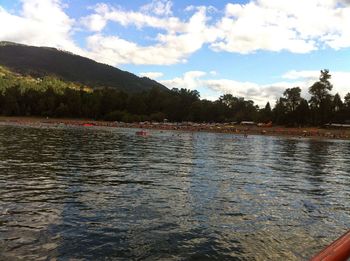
<point>337,103</point>
<point>53,97</point>
<point>289,108</point>
<point>323,108</point>
<point>293,98</point>
<point>39,62</point>
<point>238,109</point>
<point>347,100</point>
<point>321,100</point>
<point>49,96</point>
<point>265,115</point>
<point>280,111</point>
<point>320,90</point>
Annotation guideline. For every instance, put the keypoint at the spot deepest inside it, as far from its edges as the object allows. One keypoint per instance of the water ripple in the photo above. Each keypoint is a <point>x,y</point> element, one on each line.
<point>106,194</point>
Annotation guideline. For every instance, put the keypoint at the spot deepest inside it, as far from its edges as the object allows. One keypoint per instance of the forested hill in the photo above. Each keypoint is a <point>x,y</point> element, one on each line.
<point>44,61</point>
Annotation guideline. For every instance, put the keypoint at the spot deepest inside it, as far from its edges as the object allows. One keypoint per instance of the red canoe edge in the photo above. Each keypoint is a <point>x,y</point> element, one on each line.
<point>339,250</point>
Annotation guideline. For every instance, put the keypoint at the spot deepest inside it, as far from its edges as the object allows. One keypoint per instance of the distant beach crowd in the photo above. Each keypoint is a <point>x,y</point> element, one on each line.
<point>239,129</point>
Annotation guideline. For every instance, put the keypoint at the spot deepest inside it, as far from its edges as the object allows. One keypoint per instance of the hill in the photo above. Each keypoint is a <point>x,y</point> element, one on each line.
<point>25,83</point>
<point>44,61</point>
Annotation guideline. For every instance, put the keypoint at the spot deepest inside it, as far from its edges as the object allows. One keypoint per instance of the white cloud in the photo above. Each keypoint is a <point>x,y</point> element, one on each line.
<point>114,50</point>
<point>44,23</point>
<point>294,75</point>
<point>95,22</point>
<point>40,23</point>
<point>195,80</point>
<point>152,75</point>
<point>158,7</point>
<point>339,79</point>
<point>174,46</point>
<point>190,80</point>
<point>275,25</point>
<point>140,19</point>
<point>259,93</point>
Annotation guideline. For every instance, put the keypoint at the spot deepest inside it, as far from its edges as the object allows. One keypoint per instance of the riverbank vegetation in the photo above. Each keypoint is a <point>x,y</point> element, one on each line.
<point>52,97</point>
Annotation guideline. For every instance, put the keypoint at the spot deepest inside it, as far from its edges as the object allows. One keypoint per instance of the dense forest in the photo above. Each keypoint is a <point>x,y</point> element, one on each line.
<point>42,61</point>
<point>51,97</point>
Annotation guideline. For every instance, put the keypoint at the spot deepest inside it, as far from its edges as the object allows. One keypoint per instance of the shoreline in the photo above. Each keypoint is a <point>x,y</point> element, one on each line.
<point>306,132</point>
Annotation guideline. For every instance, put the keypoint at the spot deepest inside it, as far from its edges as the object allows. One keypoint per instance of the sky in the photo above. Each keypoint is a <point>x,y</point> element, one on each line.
<point>248,48</point>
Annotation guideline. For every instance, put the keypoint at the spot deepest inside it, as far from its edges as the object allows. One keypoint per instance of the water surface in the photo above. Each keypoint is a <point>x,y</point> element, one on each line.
<point>73,193</point>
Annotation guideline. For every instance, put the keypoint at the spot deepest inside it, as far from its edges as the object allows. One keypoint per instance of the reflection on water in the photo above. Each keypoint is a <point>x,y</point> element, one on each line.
<point>106,194</point>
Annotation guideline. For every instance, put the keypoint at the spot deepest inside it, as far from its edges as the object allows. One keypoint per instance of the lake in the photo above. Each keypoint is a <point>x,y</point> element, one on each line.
<point>75,193</point>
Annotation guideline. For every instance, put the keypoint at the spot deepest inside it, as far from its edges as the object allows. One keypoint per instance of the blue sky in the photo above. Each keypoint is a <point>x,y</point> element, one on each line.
<point>252,49</point>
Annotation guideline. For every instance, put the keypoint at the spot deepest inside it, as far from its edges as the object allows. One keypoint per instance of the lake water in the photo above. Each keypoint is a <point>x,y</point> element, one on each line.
<point>74,193</point>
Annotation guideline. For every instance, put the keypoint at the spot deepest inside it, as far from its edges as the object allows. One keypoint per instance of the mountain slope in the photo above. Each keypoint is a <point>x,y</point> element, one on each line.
<point>43,61</point>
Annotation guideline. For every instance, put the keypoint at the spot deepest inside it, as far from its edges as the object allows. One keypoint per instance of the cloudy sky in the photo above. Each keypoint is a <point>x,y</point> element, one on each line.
<point>254,49</point>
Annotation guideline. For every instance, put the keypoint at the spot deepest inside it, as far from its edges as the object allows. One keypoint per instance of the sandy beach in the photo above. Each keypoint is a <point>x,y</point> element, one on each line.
<point>312,132</point>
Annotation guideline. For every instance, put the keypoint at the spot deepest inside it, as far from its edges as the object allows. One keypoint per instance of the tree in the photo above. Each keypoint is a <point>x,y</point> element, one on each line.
<point>136,104</point>
<point>180,102</point>
<point>337,103</point>
<point>72,102</point>
<point>347,100</point>
<point>320,90</point>
<point>302,112</point>
<point>280,111</point>
<point>155,100</point>
<point>338,112</point>
<point>265,115</point>
<point>293,98</point>
<point>346,108</point>
<point>53,97</point>
<point>321,100</point>
<point>226,99</point>
<point>11,106</point>
<point>62,110</point>
<point>268,107</point>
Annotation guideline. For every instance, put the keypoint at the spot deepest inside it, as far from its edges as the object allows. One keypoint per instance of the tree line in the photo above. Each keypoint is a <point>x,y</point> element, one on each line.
<point>50,97</point>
